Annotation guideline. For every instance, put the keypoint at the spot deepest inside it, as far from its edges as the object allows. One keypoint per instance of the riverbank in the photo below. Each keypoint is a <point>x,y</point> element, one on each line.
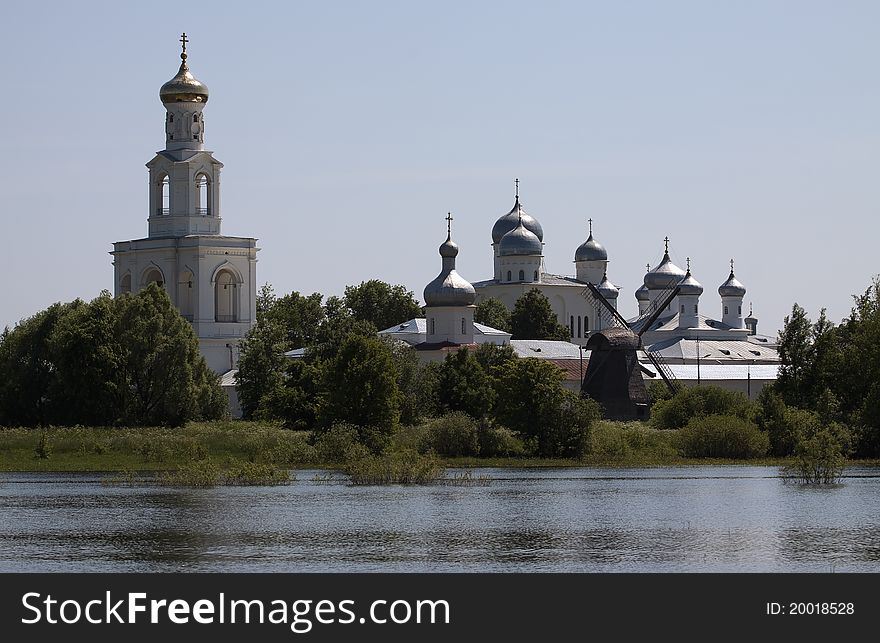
<point>77,449</point>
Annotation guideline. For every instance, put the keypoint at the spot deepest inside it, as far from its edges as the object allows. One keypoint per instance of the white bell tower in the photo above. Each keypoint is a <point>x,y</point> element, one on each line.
<point>211,278</point>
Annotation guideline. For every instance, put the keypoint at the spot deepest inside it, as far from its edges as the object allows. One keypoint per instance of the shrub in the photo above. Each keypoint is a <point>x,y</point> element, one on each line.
<point>44,448</point>
<point>819,458</point>
<point>332,444</point>
<point>696,402</point>
<point>401,467</point>
<point>722,436</point>
<point>453,435</point>
<point>197,473</point>
<point>255,474</point>
<point>499,442</point>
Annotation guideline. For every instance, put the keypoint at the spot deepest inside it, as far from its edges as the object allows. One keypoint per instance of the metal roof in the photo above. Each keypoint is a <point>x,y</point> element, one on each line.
<point>720,350</point>
<point>419,325</point>
<point>721,371</point>
<point>545,349</point>
<point>228,378</point>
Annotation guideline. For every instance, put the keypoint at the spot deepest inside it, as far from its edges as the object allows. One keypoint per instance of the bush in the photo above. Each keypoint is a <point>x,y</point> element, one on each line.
<point>255,474</point>
<point>696,402</point>
<point>819,458</point>
<point>722,436</point>
<point>499,442</point>
<point>198,473</point>
<point>332,445</point>
<point>453,435</point>
<point>631,441</point>
<point>401,467</point>
<point>44,448</point>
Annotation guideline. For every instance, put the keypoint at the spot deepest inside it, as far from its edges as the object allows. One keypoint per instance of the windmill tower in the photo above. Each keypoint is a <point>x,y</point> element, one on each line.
<point>614,375</point>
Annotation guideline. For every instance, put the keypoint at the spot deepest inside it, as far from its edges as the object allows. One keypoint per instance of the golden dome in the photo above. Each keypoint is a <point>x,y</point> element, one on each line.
<point>183,87</point>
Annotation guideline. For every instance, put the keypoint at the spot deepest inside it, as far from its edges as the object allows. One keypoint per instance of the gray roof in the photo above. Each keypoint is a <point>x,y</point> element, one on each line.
<point>228,378</point>
<point>690,286</point>
<point>509,221</point>
<point>710,372</point>
<point>419,325</point>
<point>680,348</point>
<point>545,349</point>
<point>732,287</point>
<point>520,241</point>
<point>665,275</point>
<point>547,279</point>
<point>591,250</point>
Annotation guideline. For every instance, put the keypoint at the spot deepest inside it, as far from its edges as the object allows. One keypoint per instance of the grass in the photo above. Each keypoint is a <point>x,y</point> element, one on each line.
<point>254,452</point>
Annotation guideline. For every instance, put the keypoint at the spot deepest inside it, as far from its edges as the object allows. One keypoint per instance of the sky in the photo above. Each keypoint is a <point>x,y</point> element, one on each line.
<point>348,130</point>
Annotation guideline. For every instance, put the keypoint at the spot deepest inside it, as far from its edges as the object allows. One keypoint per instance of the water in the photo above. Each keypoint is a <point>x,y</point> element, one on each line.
<point>707,519</point>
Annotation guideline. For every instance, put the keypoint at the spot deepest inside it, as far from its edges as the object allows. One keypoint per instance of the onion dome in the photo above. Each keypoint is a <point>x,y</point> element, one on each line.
<point>520,241</point>
<point>183,88</point>
<point>643,294</point>
<point>449,288</point>
<point>591,250</point>
<point>510,220</point>
<point>665,275</point>
<point>689,285</point>
<point>732,287</point>
<point>607,289</point>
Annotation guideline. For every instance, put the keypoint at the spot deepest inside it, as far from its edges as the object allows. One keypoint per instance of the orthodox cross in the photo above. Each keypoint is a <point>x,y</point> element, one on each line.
<point>731,266</point>
<point>590,220</point>
<point>183,41</point>
<point>516,182</point>
<point>666,241</point>
<point>449,223</point>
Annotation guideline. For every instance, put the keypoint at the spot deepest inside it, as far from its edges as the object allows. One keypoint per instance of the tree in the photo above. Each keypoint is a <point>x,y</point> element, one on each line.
<point>795,357</point>
<point>533,318</point>
<point>491,312</point>
<point>381,304</point>
<point>696,402</point>
<point>132,360</point>
<point>533,402</point>
<point>261,365</point>
<point>362,390</point>
<point>463,385</point>
<point>493,356</point>
<point>299,316</point>
<point>416,382</point>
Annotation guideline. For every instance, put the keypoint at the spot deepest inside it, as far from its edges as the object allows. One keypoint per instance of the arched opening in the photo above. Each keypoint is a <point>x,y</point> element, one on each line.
<point>682,308</point>
<point>579,325</point>
<point>203,195</point>
<point>125,284</point>
<point>522,275</point>
<point>152,276</point>
<point>164,200</point>
<point>740,310</point>
<point>462,326</point>
<point>586,325</point>
<point>225,297</point>
<point>695,308</point>
<point>185,295</point>
<point>536,275</point>
<point>433,327</point>
<point>571,324</point>
<point>725,310</point>
<point>508,275</point>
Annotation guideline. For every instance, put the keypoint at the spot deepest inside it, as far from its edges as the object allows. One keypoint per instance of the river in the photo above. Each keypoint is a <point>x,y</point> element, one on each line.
<point>670,519</point>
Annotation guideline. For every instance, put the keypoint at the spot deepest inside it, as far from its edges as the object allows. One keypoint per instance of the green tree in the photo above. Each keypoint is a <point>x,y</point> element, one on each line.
<point>696,402</point>
<point>166,379</point>
<point>299,316</point>
<point>132,360</point>
<point>27,369</point>
<point>362,390</point>
<point>416,382</point>
<point>491,312</point>
<point>533,318</point>
<point>463,385</point>
<point>261,365</point>
<point>494,356</point>
<point>381,304</point>
<point>533,402</point>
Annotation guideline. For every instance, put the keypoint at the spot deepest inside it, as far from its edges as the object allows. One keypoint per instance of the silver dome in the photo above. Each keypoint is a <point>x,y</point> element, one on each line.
<point>690,286</point>
<point>591,250</point>
<point>607,289</point>
<point>643,294</point>
<point>520,241</point>
<point>510,220</point>
<point>732,287</point>
<point>665,275</point>
<point>449,288</point>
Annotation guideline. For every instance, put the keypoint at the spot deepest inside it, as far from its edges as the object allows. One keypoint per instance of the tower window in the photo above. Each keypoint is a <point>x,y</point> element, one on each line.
<point>226,297</point>
<point>695,308</point>
<point>682,308</point>
<point>725,310</point>
<point>433,327</point>
<point>203,194</point>
<point>195,118</point>
<point>170,118</point>
<point>522,275</point>
<point>571,324</point>
<point>740,310</point>
<point>579,325</point>
<point>536,275</point>
<point>586,325</point>
<point>508,275</point>
<point>462,326</point>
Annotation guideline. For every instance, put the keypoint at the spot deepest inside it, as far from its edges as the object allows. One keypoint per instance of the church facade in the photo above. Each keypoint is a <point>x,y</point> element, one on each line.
<point>210,277</point>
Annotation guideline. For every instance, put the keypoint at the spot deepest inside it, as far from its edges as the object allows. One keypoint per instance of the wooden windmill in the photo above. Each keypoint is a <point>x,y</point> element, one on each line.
<point>614,375</point>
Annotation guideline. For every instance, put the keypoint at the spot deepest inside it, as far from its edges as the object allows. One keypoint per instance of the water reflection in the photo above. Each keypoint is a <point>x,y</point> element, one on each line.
<point>673,519</point>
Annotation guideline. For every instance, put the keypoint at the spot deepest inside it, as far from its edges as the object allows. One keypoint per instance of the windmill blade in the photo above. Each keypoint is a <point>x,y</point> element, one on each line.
<point>611,314</point>
<point>658,306</point>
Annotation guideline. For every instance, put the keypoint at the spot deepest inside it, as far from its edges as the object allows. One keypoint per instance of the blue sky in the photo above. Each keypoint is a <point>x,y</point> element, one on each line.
<point>349,129</point>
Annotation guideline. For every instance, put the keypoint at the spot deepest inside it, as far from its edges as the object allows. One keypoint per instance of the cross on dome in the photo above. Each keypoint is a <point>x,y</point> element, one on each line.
<point>449,223</point>
<point>183,41</point>
<point>516,183</point>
